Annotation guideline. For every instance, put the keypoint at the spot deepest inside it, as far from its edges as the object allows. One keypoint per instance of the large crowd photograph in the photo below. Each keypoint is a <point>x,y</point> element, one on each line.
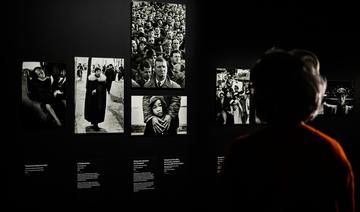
<point>158,45</point>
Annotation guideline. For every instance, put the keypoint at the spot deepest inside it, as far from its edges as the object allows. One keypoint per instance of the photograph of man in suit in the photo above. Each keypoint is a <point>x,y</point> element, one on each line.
<point>160,78</point>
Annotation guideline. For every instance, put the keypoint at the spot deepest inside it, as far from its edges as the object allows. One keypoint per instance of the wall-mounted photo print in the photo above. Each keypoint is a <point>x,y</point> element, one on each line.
<point>232,96</point>
<point>43,95</point>
<point>157,45</point>
<point>338,98</point>
<point>158,115</point>
<point>99,95</point>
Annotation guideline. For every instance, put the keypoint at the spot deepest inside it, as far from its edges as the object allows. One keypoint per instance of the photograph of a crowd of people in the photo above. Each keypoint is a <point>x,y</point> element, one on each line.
<point>157,45</point>
<point>99,95</point>
<point>158,115</point>
<point>338,98</point>
<point>43,95</point>
<point>232,96</point>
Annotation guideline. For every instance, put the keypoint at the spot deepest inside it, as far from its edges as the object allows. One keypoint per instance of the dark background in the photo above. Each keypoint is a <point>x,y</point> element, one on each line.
<point>219,34</point>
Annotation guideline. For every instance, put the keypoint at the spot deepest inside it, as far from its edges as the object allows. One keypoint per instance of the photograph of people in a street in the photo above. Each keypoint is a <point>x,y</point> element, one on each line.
<point>99,95</point>
<point>157,45</point>
<point>232,96</point>
<point>43,95</point>
<point>338,98</point>
<point>158,115</point>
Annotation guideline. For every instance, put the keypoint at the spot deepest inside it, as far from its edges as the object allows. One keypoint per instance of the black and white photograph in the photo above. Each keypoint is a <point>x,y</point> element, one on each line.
<point>232,96</point>
<point>338,98</point>
<point>99,95</point>
<point>43,95</point>
<point>158,45</point>
<point>158,115</point>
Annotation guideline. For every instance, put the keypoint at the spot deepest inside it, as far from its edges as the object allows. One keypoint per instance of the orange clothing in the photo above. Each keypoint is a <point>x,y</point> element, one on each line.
<point>293,168</point>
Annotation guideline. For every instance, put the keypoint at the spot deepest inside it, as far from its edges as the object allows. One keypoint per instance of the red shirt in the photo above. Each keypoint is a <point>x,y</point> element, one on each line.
<point>293,168</point>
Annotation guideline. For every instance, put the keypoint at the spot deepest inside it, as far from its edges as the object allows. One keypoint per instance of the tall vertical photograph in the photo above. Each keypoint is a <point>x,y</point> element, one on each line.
<point>158,115</point>
<point>99,95</point>
<point>158,32</point>
<point>43,88</point>
<point>232,104</point>
<point>338,99</point>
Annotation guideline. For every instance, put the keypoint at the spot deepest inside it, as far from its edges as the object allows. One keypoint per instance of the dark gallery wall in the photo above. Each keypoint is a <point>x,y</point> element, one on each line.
<point>58,31</point>
<point>218,34</point>
<point>236,36</point>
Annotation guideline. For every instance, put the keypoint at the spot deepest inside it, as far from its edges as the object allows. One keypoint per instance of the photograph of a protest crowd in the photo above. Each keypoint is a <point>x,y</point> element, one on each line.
<point>232,96</point>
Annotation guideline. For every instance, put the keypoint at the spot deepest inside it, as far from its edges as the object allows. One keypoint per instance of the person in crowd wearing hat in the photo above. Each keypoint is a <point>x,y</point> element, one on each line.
<point>119,73</point>
<point>79,71</point>
<point>236,109</point>
<point>110,76</point>
<point>221,115</point>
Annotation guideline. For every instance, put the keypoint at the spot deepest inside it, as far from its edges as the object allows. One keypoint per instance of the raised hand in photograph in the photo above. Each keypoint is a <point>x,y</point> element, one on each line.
<point>338,98</point>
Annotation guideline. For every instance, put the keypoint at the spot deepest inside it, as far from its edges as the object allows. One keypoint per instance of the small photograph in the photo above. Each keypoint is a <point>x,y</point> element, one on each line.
<point>232,96</point>
<point>158,115</point>
<point>43,95</point>
<point>338,98</point>
<point>99,95</point>
<point>157,45</point>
